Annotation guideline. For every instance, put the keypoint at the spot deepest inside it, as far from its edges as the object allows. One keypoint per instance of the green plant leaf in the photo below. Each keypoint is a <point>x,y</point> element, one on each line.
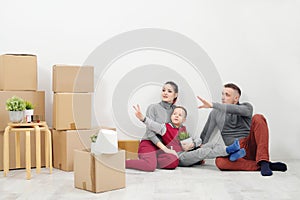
<point>94,138</point>
<point>29,105</point>
<point>183,135</point>
<point>15,104</point>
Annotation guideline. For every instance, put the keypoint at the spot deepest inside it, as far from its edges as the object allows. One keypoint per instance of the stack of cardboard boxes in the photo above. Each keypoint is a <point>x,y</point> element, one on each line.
<point>18,77</point>
<point>73,87</point>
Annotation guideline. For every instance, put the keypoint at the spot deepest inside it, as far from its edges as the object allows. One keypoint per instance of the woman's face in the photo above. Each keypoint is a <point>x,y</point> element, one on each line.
<point>168,94</point>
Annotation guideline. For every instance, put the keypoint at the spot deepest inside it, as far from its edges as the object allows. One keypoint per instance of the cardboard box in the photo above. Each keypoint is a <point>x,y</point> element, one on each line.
<point>64,144</point>
<point>99,173</point>
<point>72,78</point>
<point>12,156</point>
<point>131,147</point>
<point>72,111</point>
<point>35,97</point>
<point>18,72</point>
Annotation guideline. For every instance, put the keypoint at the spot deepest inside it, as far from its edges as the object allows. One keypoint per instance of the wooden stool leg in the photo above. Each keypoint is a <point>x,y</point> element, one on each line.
<point>50,149</point>
<point>28,156</point>
<point>6,151</point>
<point>46,150</point>
<point>17,149</point>
<point>38,148</point>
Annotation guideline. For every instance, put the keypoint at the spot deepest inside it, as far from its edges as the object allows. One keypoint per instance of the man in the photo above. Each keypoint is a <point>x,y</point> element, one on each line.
<point>235,121</point>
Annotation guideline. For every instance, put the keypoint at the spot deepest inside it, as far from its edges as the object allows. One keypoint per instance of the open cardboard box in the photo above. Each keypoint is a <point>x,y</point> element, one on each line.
<point>99,173</point>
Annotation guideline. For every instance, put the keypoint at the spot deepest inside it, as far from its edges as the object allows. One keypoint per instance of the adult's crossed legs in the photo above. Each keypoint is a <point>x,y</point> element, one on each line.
<point>256,146</point>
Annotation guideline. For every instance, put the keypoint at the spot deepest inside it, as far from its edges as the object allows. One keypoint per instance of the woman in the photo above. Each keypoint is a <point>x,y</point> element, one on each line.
<point>152,152</point>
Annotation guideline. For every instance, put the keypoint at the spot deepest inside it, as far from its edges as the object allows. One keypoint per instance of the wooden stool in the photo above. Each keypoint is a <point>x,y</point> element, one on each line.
<point>27,127</point>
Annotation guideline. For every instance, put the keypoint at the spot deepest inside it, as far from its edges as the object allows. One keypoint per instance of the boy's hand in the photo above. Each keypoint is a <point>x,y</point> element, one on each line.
<point>171,151</point>
<point>187,146</point>
<point>138,112</point>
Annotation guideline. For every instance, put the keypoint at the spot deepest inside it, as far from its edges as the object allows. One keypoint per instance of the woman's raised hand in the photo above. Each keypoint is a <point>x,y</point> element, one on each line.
<point>138,112</point>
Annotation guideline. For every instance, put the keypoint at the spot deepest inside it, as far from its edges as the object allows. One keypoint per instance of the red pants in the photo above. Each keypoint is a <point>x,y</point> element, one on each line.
<point>151,157</point>
<point>256,146</point>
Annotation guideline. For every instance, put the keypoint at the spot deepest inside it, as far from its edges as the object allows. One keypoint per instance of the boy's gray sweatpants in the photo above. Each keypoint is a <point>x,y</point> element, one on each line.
<point>207,151</point>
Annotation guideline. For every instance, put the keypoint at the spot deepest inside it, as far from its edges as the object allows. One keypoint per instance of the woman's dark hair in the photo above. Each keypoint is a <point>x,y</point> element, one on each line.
<point>175,87</point>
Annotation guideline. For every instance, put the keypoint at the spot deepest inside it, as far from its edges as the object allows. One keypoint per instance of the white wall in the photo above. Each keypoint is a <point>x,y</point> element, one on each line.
<point>255,44</point>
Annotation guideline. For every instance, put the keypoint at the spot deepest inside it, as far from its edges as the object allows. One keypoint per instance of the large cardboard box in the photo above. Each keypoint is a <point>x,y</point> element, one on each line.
<point>18,72</point>
<point>73,78</point>
<point>131,147</point>
<point>36,97</point>
<point>12,155</point>
<point>72,111</point>
<point>64,144</point>
<point>99,173</point>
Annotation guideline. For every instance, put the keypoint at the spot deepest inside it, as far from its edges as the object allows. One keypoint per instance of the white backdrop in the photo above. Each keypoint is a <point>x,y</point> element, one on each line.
<point>255,44</point>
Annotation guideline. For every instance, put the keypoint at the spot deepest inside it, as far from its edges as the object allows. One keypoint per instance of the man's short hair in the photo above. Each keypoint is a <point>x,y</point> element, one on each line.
<point>234,87</point>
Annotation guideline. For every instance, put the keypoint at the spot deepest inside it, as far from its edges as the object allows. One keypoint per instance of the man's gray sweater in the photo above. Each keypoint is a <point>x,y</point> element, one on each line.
<point>233,120</point>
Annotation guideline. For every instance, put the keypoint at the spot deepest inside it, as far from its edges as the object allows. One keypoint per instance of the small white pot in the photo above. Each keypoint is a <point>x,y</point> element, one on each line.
<point>28,115</point>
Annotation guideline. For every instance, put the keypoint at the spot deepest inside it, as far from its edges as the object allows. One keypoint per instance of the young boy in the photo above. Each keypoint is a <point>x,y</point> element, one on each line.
<point>169,133</point>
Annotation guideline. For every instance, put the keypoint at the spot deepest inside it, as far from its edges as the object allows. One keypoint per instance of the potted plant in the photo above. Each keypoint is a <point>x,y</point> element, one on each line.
<point>105,143</point>
<point>28,111</point>
<point>93,144</point>
<point>94,138</point>
<point>15,106</point>
<point>184,137</point>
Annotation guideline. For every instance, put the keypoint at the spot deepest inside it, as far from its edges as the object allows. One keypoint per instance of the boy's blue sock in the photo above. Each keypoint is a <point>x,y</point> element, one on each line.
<point>236,155</point>
<point>265,168</point>
<point>235,146</point>
<point>278,166</point>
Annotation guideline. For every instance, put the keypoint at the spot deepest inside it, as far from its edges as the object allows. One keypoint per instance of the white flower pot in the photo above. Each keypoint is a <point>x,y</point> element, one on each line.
<point>106,142</point>
<point>93,148</point>
<point>186,141</point>
<point>28,115</point>
<point>16,116</point>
